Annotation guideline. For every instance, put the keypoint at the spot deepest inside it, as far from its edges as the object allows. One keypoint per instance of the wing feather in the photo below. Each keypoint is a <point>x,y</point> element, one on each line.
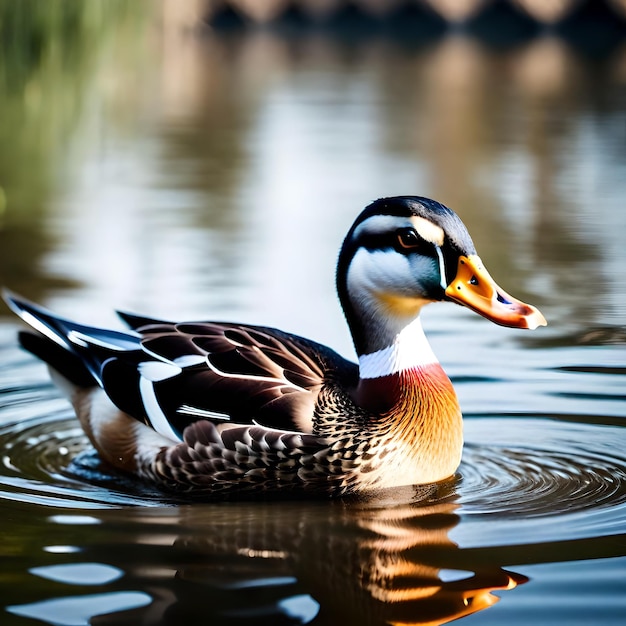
<point>242,374</point>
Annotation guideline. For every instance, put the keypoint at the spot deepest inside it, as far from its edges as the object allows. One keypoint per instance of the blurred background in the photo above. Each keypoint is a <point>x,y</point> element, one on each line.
<point>204,158</point>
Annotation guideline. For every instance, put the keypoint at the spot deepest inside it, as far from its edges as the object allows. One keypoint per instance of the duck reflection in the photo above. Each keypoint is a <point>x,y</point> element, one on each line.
<point>318,563</point>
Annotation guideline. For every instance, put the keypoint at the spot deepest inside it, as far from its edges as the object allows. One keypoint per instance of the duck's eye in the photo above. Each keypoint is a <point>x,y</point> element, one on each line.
<point>408,239</point>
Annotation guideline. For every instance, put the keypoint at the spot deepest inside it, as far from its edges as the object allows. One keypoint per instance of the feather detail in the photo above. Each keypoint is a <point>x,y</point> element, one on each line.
<point>417,441</point>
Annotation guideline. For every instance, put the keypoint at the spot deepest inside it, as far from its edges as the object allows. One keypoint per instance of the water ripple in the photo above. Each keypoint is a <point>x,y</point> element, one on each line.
<point>49,461</point>
<point>518,467</point>
<point>532,467</point>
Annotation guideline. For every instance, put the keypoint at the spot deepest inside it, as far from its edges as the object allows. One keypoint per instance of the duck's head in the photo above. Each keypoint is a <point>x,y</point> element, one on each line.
<point>404,252</point>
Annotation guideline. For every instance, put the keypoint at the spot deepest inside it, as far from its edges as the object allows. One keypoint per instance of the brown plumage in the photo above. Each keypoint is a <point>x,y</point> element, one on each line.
<point>221,409</point>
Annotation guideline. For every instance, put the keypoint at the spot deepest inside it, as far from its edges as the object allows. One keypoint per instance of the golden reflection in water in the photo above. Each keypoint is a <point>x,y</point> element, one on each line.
<point>548,11</point>
<point>181,60</point>
<point>619,5</point>
<point>360,563</point>
<point>178,17</point>
<point>543,69</point>
<point>260,11</point>
<point>453,85</point>
<point>457,10</point>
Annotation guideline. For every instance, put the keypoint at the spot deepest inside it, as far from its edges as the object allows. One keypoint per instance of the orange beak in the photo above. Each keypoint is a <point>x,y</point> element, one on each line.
<point>474,288</point>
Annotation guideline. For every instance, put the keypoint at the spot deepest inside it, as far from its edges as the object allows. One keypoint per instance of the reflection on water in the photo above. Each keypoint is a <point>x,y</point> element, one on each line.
<point>214,176</point>
<point>294,563</point>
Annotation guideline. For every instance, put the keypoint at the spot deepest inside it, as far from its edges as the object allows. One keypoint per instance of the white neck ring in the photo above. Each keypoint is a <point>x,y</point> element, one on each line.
<point>409,350</point>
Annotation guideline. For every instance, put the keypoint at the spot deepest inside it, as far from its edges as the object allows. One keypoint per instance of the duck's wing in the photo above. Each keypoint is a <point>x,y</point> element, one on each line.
<point>170,375</point>
<point>222,372</point>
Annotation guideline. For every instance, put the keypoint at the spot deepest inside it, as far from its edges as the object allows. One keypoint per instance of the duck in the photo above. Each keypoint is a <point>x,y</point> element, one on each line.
<point>216,409</point>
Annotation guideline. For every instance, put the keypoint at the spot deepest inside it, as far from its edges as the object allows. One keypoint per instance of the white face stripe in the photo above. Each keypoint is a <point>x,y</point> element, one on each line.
<point>427,230</point>
<point>442,269</point>
<point>378,224</point>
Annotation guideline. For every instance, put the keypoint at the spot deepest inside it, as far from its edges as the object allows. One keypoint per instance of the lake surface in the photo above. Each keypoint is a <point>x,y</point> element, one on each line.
<point>214,176</point>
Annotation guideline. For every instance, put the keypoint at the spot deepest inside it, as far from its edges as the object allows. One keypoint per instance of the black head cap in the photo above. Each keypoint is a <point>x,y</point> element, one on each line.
<point>439,214</point>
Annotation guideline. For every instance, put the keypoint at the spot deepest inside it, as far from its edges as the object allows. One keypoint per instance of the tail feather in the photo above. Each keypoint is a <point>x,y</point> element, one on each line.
<point>75,350</point>
<point>62,360</point>
<point>42,320</point>
<point>135,321</point>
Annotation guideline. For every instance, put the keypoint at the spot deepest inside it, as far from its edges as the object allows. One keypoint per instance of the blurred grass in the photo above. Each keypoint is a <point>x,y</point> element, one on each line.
<point>49,54</point>
<point>48,50</point>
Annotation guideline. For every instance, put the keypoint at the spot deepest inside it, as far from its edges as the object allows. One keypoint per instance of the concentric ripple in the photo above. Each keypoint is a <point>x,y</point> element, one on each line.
<point>48,460</point>
<point>533,467</point>
<point>518,467</point>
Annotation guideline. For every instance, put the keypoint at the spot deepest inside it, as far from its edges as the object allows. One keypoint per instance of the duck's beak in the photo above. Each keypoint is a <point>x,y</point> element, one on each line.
<point>474,288</point>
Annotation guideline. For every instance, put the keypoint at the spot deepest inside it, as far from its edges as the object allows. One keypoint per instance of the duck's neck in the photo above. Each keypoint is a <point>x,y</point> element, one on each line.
<point>408,350</point>
<point>412,404</point>
<point>405,371</point>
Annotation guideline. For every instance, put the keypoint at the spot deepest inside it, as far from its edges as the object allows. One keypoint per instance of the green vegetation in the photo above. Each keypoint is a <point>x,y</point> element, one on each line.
<point>50,51</point>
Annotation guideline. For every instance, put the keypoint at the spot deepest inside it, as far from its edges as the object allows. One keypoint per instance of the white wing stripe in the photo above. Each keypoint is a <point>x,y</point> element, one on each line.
<point>156,371</point>
<point>283,382</point>
<point>155,414</point>
<point>186,409</point>
<point>189,360</point>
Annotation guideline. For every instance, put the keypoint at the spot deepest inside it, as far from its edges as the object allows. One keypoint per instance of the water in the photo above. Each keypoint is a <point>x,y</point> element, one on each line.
<point>215,177</point>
